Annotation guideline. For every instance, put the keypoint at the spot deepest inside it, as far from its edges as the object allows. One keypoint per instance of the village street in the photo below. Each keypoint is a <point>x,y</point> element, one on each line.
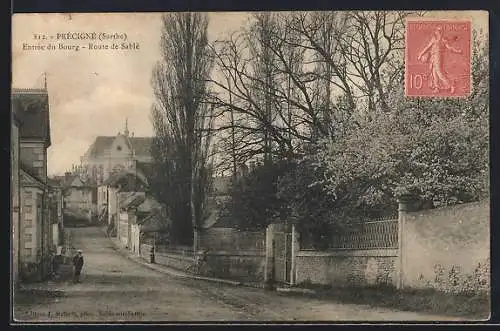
<point>115,288</point>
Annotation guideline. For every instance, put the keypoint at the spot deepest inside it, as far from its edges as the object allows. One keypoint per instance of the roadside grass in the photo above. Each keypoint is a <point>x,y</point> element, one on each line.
<point>473,307</point>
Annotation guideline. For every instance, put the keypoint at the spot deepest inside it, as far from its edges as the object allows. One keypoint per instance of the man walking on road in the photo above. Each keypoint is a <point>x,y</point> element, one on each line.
<point>78,265</point>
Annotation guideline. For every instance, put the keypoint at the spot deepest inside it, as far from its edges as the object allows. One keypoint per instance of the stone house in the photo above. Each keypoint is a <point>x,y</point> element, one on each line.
<point>56,200</point>
<point>144,216</point>
<point>15,193</point>
<point>80,197</point>
<point>35,238</point>
<point>31,107</point>
<point>125,180</point>
<point>154,226</point>
<point>126,199</point>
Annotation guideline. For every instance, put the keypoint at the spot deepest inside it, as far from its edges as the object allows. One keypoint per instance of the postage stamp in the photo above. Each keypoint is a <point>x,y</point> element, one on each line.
<point>438,58</point>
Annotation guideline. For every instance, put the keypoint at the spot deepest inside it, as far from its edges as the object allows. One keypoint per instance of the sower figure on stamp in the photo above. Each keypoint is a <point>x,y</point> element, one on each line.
<point>434,52</point>
<point>77,265</point>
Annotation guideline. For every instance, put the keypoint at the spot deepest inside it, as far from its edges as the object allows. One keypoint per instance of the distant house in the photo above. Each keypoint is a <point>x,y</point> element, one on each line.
<point>124,198</point>
<point>109,154</point>
<point>31,107</point>
<point>122,180</point>
<point>56,200</point>
<point>126,201</point>
<point>80,197</point>
<point>144,215</point>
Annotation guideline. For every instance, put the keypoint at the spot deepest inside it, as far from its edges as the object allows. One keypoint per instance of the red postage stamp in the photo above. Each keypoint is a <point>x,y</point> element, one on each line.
<point>438,58</point>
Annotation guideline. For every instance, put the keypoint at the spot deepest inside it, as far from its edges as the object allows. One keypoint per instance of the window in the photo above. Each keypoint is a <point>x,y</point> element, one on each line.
<point>28,237</point>
<point>28,209</point>
<point>118,148</point>
<point>28,223</point>
<point>28,252</point>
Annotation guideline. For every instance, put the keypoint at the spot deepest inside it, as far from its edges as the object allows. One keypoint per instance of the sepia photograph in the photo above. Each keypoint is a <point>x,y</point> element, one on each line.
<point>292,166</point>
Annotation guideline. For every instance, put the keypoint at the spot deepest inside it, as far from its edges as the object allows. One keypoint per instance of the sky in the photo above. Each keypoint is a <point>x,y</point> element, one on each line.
<point>92,92</point>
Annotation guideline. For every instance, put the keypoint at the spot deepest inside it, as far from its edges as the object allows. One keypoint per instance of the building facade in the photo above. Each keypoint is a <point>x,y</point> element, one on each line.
<point>15,194</point>
<point>80,198</point>
<point>109,154</point>
<point>35,230</point>
<point>56,201</point>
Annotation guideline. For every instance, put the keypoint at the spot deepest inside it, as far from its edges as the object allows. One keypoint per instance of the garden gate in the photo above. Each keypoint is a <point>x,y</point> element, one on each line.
<point>282,256</point>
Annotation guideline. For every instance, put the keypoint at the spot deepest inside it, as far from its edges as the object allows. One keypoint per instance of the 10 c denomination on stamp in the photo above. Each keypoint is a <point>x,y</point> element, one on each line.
<point>438,58</point>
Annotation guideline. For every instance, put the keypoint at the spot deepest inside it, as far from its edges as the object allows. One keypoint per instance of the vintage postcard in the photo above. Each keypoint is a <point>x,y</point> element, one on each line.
<point>250,167</point>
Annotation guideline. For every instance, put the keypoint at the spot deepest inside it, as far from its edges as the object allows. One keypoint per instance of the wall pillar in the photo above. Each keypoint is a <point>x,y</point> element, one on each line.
<point>269,266</point>
<point>403,208</point>
<point>295,250</point>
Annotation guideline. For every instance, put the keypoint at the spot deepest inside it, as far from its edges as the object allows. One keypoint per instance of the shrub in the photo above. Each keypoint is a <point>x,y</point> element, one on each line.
<point>452,280</point>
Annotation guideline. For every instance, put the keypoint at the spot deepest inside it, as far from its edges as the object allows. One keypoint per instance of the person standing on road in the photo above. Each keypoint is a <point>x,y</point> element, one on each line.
<point>78,265</point>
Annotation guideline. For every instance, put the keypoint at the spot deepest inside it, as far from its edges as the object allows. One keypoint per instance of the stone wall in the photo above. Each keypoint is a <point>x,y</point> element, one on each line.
<point>444,248</point>
<point>235,254</point>
<point>241,265</point>
<point>245,266</point>
<point>445,244</point>
<point>174,261</point>
<point>145,251</point>
<point>347,268</point>
<point>229,239</point>
<point>178,262</point>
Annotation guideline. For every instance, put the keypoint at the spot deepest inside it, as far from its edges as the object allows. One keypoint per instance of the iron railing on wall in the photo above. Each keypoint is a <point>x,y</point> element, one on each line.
<point>377,234</point>
<point>374,234</point>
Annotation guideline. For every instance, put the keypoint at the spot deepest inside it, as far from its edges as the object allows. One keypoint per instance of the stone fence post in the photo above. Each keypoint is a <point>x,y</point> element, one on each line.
<point>295,250</point>
<point>403,208</point>
<point>269,266</point>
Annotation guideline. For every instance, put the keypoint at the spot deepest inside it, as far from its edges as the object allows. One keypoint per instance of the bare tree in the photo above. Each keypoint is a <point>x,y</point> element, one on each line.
<point>182,119</point>
<point>296,77</point>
